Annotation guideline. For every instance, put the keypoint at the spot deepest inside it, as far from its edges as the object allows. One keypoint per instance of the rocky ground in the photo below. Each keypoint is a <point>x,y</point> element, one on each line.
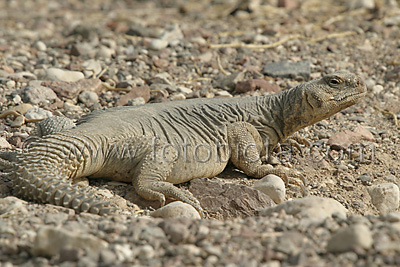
<point>68,58</point>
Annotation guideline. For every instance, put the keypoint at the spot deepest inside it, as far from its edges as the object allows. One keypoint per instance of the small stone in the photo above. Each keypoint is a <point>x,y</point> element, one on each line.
<point>345,138</point>
<point>18,121</point>
<point>184,90</point>
<point>136,101</point>
<point>288,4</point>
<point>92,68</point>
<point>273,186</point>
<point>288,69</point>
<point>17,99</point>
<point>12,206</point>
<point>40,46</point>
<point>176,209</point>
<point>393,217</point>
<point>256,84</point>
<point>4,143</point>
<point>70,107</point>
<point>223,94</point>
<point>107,257</point>
<point>385,197</point>
<point>37,94</point>
<point>176,231</point>
<point>313,209</point>
<point>36,113</point>
<point>350,238</point>
<point>360,4</point>
<point>88,98</point>
<point>158,44</point>
<point>10,84</point>
<point>55,74</point>
<point>178,96</point>
<point>228,82</point>
<point>377,89</point>
<point>145,252</point>
<point>228,200</point>
<point>104,52</point>
<point>138,91</point>
<point>172,35</point>
<point>365,178</point>
<point>392,21</point>
<point>51,240</point>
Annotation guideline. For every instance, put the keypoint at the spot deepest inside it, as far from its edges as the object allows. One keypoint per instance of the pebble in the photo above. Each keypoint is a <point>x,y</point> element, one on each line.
<point>385,197</point>
<point>136,101</point>
<point>377,89</point>
<point>228,82</point>
<point>10,84</point>
<point>70,107</point>
<point>360,4</point>
<point>4,143</point>
<point>365,178</point>
<point>55,74</point>
<point>312,209</point>
<point>223,94</point>
<point>176,209</point>
<point>105,53</point>
<point>158,44</point>
<point>288,69</point>
<point>17,99</point>
<point>38,95</point>
<point>345,138</point>
<point>92,67</point>
<point>18,121</point>
<point>138,91</point>
<point>184,90</point>
<point>178,96</point>
<point>88,98</point>
<point>40,46</point>
<point>50,240</point>
<point>273,186</point>
<point>172,35</point>
<point>37,113</point>
<point>350,238</point>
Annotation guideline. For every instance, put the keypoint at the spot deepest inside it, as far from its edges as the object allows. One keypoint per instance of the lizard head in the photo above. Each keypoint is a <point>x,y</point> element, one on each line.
<point>334,92</point>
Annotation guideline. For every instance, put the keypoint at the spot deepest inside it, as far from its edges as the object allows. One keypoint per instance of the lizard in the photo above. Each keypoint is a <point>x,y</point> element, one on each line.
<point>157,145</point>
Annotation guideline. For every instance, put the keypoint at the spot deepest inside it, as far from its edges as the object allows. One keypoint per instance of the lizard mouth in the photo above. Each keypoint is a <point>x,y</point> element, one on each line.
<point>353,95</point>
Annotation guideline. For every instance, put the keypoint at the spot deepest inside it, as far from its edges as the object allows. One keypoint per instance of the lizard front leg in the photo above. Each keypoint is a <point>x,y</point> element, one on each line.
<point>151,181</point>
<point>247,146</point>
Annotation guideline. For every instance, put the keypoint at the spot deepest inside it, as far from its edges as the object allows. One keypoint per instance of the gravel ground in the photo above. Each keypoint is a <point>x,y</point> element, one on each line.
<point>136,52</point>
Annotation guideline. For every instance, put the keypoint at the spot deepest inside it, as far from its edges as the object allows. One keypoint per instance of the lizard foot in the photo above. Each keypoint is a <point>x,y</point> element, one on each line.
<point>159,190</point>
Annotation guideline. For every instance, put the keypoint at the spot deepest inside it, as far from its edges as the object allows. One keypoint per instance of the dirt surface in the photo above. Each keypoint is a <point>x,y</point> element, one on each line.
<point>175,50</point>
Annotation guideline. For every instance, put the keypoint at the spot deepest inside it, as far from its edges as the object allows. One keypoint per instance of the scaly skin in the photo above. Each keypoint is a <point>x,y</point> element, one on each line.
<point>157,145</point>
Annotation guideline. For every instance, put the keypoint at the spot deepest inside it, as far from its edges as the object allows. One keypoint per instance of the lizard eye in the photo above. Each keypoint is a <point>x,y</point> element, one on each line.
<point>334,82</point>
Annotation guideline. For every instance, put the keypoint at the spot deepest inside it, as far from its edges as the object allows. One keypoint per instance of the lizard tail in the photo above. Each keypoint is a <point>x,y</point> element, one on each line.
<point>45,187</point>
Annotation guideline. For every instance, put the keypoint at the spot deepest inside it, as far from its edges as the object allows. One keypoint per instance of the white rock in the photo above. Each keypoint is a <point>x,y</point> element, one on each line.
<point>377,88</point>
<point>158,44</point>
<point>4,143</point>
<point>38,113</point>
<point>176,209</point>
<point>185,90</point>
<point>93,67</point>
<point>357,4</point>
<point>17,99</point>
<point>178,96</point>
<point>88,98</point>
<point>40,46</point>
<point>68,106</point>
<point>50,240</point>
<point>10,84</point>
<point>223,94</point>
<point>311,209</point>
<point>385,197</point>
<point>145,252</point>
<point>136,101</point>
<point>350,238</point>
<point>172,34</point>
<point>105,52</point>
<point>273,186</point>
<point>55,74</point>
